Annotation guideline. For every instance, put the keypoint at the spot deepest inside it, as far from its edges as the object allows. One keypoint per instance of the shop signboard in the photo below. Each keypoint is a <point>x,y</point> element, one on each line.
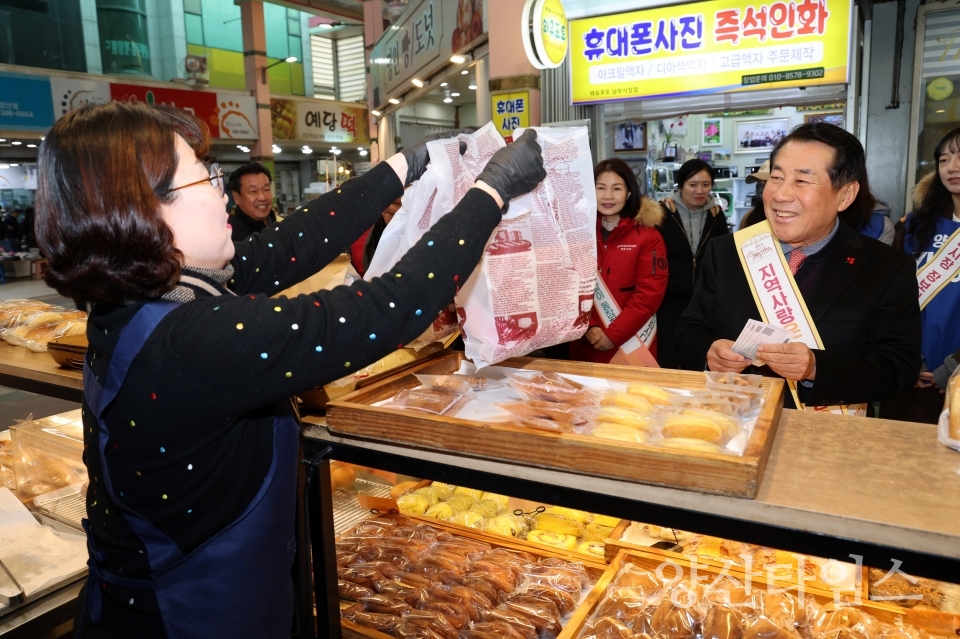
<point>25,102</point>
<point>545,33</point>
<point>70,93</point>
<point>318,121</point>
<point>227,115</point>
<point>718,46</point>
<point>422,41</point>
<point>510,111</point>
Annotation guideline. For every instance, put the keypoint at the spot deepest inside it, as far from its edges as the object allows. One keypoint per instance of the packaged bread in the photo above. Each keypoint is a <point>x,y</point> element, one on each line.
<point>564,413</point>
<point>550,387</point>
<point>486,507</point>
<point>427,400</point>
<point>551,538</point>
<point>735,379</point>
<point>506,525</point>
<point>559,523</point>
<point>619,432</point>
<point>384,623</point>
<point>458,383</point>
<point>502,500</point>
<point>623,416</point>
<point>722,622</point>
<point>468,519</point>
<point>414,504</point>
<point>443,490</point>
<point>673,621</point>
<point>540,423</point>
<point>753,393</point>
<point>953,405</point>
<point>708,400</point>
<point>595,548</point>
<point>690,444</point>
<point>653,394</point>
<point>596,532</point>
<point>627,400</point>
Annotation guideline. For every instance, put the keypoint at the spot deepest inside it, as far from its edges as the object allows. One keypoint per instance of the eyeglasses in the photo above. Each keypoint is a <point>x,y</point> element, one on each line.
<point>215,180</point>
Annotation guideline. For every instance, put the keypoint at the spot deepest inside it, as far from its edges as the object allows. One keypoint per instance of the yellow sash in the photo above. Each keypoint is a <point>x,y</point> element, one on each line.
<point>778,297</point>
<point>939,270</point>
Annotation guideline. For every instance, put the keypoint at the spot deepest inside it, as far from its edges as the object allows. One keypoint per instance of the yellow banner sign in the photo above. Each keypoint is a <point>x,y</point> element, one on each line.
<point>718,46</point>
<point>510,111</point>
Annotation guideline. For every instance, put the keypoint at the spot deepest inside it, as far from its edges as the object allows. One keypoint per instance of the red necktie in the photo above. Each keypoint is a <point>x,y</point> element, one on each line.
<point>796,259</point>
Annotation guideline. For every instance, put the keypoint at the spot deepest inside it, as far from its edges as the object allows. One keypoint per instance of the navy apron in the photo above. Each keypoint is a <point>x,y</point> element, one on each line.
<point>236,584</point>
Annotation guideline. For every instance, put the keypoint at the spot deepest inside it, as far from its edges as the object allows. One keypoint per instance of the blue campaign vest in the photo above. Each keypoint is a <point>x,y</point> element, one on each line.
<point>237,583</point>
<point>941,328</point>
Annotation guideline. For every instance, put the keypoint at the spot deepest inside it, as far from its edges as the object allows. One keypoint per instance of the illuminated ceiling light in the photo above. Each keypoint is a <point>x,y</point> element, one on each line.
<point>276,149</point>
<point>395,28</point>
<point>239,146</point>
<point>16,143</point>
<point>417,83</point>
<point>14,165</point>
<point>363,154</point>
<point>472,87</point>
<point>31,146</point>
<point>443,84</point>
<point>359,148</point>
<point>347,171</point>
<point>457,59</point>
<point>455,94</point>
<point>375,113</point>
<point>464,72</point>
<point>307,150</point>
<point>448,100</point>
<point>4,166</point>
<point>5,139</point>
<point>393,101</point>
<point>336,151</point>
<point>941,110</point>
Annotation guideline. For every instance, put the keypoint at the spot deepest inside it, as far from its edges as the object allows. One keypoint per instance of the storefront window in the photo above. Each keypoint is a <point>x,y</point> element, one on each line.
<point>51,39</point>
<point>124,41</point>
<point>939,90</point>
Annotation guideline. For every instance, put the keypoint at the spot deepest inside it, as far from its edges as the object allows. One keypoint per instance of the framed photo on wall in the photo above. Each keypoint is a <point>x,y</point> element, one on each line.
<point>710,131</point>
<point>630,137</point>
<point>835,118</point>
<point>760,136</point>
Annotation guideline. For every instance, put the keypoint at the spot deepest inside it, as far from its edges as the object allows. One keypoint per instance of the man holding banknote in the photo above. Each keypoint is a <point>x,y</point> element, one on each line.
<point>848,301</point>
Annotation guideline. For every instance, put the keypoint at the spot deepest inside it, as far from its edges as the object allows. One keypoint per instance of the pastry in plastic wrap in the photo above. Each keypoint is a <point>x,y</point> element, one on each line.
<point>515,621</point>
<point>468,519</point>
<point>607,628</point>
<point>690,444</point>
<point>722,622</point>
<point>544,618</point>
<point>900,590</point>
<point>461,501</point>
<point>493,630</point>
<point>619,432</point>
<point>554,539</point>
<point>383,604</point>
<point>561,413</point>
<point>443,510</point>
<point>432,619</point>
<point>644,581</point>
<point>594,548</point>
<point>845,622</point>
<point>559,523</point>
<point>383,623</point>
<point>565,576</point>
<point>507,525</point>
<point>443,490</point>
<point>628,605</point>
<point>763,628</point>
<point>473,493</point>
<point>563,600</point>
<point>622,416</point>
<point>605,520</point>
<point>503,502</point>
<point>408,595</point>
<point>456,614</point>
<point>628,400</point>
<point>671,621</point>
<point>692,427</point>
<point>427,400</point>
<point>413,504</point>
<point>352,591</point>
<point>653,394</point>
<point>550,387</point>
<point>486,507</point>
<point>596,532</point>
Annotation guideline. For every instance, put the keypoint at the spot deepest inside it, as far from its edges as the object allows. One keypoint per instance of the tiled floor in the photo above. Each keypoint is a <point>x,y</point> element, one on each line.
<point>17,405</point>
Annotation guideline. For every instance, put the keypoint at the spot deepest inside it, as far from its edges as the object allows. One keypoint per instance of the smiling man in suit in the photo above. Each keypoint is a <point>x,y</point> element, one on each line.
<point>849,300</point>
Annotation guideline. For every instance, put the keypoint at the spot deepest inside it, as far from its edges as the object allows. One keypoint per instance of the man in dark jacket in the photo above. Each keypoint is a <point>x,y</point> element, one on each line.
<point>861,294</point>
<point>12,235</point>
<point>251,185</point>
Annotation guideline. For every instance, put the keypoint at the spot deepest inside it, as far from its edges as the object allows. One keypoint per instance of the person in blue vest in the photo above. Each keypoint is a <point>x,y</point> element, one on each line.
<point>190,440</point>
<point>926,229</point>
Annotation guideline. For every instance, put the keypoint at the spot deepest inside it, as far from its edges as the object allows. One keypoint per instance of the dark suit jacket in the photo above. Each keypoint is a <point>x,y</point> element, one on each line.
<point>244,226</point>
<point>866,313</point>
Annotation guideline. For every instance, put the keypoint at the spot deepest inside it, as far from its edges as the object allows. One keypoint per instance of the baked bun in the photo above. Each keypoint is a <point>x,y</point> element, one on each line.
<point>686,443</point>
<point>619,432</point>
<point>627,400</point>
<point>671,621</point>
<point>653,394</point>
<point>608,628</point>
<point>628,605</point>
<point>763,628</point>
<point>693,427</point>
<point>646,582</point>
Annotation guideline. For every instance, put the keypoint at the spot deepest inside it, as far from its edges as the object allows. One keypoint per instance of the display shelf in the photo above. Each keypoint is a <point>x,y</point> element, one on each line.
<point>25,370</point>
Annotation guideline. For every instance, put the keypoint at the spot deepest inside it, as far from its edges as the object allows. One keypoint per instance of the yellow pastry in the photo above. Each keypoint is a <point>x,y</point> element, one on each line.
<point>461,502</point>
<point>559,524</point>
<point>606,430</point>
<point>443,510</point>
<point>469,519</point>
<point>486,507</point>
<point>551,538</point>
<point>470,492</point>
<point>627,400</point>
<point>427,493</point>
<point>402,488</point>
<point>595,548</point>
<point>595,532</point>
<point>413,503</point>
<point>692,427</point>
<point>443,490</point>
<point>502,500</point>
<point>507,525</point>
<point>729,425</point>
<point>579,515</point>
<point>696,445</point>
<point>653,394</point>
<point>606,520</point>
<point>620,415</point>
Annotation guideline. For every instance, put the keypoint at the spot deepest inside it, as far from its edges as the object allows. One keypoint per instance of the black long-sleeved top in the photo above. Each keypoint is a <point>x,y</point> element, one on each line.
<point>244,226</point>
<point>191,429</point>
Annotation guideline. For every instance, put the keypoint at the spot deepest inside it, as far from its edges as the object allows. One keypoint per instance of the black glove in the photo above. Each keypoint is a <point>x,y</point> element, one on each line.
<point>418,158</point>
<point>515,169</point>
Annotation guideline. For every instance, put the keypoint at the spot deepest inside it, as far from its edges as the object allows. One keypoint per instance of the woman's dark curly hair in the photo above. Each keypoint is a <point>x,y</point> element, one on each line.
<point>103,173</point>
<point>921,226</point>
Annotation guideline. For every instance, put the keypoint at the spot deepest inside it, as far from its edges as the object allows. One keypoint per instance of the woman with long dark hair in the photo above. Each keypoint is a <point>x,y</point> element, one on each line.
<point>190,440</point>
<point>927,228</point>
<point>631,259</point>
<point>691,219</point>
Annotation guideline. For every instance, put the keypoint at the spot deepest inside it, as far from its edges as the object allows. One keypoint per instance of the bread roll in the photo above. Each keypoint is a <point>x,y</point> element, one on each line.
<point>595,548</point>
<point>342,476</point>
<point>572,513</point>
<point>624,416</point>
<point>551,538</point>
<point>559,524</point>
<point>442,510</point>
<point>763,628</point>
<point>595,532</point>
<point>627,400</point>
<point>606,520</point>
<point>646,582</point>
<point>608,628</point>
<point>673,622</point>
<point>619,432</point>
<point>686,443</point>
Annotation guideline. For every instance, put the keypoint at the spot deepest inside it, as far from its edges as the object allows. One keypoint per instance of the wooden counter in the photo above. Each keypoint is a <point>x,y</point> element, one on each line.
<point>37,373</point>
<point>833,485</point>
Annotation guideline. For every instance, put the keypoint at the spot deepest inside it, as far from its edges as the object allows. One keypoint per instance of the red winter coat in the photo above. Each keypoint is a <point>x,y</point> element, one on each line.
<point>633,264</point>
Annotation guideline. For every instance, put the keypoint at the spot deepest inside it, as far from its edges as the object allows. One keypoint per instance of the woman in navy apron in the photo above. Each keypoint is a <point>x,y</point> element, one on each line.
<point>189,440</point>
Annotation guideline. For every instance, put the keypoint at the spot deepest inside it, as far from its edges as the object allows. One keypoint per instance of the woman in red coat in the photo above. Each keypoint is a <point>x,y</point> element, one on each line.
<point>631,258</point>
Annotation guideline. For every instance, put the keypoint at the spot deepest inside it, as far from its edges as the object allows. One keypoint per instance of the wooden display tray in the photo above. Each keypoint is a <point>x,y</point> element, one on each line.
<point>615,544</point>
<point>596,569</point>
<point>738,476</point>
<point>938,623</point>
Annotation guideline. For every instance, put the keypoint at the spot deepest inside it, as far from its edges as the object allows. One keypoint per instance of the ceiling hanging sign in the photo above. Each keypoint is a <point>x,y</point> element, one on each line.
<point>718,46</point>
<point>545,33</point>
